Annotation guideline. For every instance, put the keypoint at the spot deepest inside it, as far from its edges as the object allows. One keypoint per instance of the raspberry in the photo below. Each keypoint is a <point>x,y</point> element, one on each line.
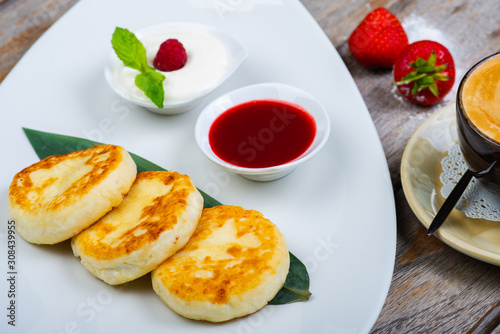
<point>171,56</point>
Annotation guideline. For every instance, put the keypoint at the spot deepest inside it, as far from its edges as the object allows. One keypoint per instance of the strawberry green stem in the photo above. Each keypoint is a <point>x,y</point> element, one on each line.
<point>425,75</point>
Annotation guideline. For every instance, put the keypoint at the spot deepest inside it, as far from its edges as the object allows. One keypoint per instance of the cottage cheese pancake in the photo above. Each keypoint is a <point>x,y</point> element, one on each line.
<point>61,195</point>
<point>156,219</point>
<point>235,262</point>
<point>481,98</point>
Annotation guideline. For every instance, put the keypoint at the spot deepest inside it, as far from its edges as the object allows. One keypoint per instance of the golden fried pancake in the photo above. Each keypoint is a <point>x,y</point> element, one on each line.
<point>61,195</point>
<point>155,220</point>
<point>235,262</point>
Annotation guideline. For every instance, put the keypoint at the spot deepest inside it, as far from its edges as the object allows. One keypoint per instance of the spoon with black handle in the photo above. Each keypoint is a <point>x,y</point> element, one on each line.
<point>454,196</point>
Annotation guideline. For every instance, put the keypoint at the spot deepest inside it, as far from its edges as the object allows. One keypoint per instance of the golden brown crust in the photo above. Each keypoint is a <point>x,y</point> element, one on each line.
<point>27,195</point>
<point>59,196</point>
<point>235,262</point>
<point>155,218</point>
<point>227,279</point>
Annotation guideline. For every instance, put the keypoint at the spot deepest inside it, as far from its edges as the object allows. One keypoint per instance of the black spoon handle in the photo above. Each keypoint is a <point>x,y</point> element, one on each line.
<point>450,202</point>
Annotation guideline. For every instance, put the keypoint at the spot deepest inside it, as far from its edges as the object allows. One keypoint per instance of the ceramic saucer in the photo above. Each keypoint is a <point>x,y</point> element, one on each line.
<point>420,171</point>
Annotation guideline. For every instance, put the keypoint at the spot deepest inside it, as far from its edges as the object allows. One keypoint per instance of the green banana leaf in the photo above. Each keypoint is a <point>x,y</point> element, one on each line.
<point>296,287</point>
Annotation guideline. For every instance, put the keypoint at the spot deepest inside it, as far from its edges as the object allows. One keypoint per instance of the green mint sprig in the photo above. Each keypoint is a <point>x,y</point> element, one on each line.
<point>130,50</point>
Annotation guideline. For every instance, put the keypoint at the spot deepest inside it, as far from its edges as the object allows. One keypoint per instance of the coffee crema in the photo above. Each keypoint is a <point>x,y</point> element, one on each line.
<point>481,98</point>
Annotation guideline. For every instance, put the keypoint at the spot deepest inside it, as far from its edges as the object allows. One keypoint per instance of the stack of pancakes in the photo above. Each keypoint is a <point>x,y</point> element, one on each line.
<point>208,264</point>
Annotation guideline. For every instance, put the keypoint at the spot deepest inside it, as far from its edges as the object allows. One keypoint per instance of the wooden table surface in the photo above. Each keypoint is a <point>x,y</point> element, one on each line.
<point>434,289</point>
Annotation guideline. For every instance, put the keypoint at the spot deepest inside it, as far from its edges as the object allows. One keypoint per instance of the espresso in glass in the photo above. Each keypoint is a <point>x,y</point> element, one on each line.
<point>478,116</point>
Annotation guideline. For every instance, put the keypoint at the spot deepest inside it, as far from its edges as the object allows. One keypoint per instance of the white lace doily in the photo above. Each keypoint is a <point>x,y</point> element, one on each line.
<point>479,200</point>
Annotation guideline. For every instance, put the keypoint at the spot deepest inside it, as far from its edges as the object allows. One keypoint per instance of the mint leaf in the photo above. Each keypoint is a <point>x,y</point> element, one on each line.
<point>151,83</point>
<point>129,49</point>
<point>132,53</point>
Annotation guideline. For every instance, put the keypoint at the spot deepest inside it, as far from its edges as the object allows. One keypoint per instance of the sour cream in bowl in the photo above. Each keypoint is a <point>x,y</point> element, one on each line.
<point>212,56</point>
<point>264,131</point>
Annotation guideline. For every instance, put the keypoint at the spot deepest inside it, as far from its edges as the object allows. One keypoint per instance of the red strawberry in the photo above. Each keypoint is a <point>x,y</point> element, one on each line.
<point>171,56</point>
<point>378,39</point>
<point>424,72</point>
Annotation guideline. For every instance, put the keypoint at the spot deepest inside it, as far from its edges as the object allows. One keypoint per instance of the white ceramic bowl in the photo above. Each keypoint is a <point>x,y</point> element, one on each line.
<point>237,53</point>
<point>276,91</point>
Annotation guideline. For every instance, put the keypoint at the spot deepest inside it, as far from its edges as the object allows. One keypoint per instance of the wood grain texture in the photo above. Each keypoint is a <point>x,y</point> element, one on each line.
<point>434,289</point>
<point>21,23</point>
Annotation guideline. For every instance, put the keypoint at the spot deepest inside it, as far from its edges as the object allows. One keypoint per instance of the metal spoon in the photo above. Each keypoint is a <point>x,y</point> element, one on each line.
<point>454,196</point>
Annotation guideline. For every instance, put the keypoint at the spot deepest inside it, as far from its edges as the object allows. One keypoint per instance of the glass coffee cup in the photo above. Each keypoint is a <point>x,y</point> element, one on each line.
<point>478,117</point>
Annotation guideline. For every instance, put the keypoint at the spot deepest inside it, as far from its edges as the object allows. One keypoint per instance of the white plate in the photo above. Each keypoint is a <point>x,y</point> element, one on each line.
<point>336,211</point>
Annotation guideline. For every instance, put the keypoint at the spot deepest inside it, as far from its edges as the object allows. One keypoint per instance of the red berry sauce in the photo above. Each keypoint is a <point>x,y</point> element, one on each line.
<point>262,133</point>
